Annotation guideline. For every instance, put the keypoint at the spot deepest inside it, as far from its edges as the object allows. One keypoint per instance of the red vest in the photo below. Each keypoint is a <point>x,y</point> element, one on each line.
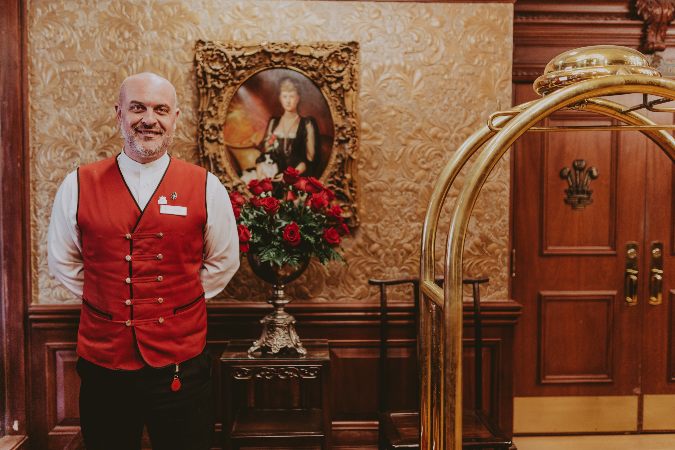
<point>143,300</point>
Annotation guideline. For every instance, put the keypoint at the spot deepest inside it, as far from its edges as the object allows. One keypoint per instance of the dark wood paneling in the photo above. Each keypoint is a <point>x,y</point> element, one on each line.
<point>353,333</point>
<point>545,28</point>
<point>588,231</point>
<point>63,388</point>
<point>13,218</point>
<point>599,271</point>
<point>672,211</point>
<point>578,325</point>
<point>671,334</point>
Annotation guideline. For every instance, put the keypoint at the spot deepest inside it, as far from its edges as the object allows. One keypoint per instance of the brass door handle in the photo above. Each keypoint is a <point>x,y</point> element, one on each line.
<point>656,274</point>
<point>631,274</point>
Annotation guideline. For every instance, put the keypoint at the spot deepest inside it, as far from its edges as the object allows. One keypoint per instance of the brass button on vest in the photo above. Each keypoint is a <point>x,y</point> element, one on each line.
<point>160,320</point>
<point>160,300</point>
<point>128,280</point>
<point>128,257</point>
<point>128,236</point>
<point>160,278</point>
<point>127,302</point>
<point>160,256</point>
<point>160,235</point>
<point>128,323</point>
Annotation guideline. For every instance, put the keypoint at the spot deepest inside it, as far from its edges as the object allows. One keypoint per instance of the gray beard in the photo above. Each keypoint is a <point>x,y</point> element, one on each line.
<point>136,146</point>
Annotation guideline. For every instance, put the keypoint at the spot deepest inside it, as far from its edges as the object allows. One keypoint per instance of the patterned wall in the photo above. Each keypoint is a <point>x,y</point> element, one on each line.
<point>430,75</point>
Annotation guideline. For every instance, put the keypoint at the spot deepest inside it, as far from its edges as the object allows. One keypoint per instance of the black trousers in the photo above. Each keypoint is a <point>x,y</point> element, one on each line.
<point>116,404</point>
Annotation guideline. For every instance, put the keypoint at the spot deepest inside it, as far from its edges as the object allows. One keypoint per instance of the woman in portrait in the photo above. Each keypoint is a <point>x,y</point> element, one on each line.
<point>290,140</point>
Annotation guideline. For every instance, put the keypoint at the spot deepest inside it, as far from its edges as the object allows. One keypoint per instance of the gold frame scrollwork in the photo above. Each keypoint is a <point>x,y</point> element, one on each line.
<point>222,67</point>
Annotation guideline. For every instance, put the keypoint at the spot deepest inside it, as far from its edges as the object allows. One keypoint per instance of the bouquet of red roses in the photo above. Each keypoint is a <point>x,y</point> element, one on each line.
<point>289,220</point>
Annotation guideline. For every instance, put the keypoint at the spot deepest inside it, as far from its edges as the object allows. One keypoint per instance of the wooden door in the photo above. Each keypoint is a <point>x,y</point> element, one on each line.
<point>658,337</point>
<point>582,365</point>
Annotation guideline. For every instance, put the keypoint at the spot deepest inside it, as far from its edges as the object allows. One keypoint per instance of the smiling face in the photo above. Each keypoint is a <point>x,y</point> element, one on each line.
<point>147,113</point>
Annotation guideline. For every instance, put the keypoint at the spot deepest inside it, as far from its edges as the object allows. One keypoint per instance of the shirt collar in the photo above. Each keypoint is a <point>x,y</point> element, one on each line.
<point>127,163</point>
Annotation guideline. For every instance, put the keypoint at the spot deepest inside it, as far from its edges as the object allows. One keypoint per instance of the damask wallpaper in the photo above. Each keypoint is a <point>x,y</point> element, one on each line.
<point>430,75</point>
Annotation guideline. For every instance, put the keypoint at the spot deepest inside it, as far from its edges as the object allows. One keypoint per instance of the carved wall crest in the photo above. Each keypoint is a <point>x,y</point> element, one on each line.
<point>578,193</point>
<point>657,15</point>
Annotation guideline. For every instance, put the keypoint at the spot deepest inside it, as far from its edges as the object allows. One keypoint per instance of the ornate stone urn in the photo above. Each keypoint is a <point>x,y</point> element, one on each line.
<point>278,334</point>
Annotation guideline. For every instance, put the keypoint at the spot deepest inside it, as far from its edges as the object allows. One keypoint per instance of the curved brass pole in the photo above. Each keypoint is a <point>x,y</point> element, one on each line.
<point>429,289</point>
<point>428,286</point>
<point>495,149</point>
<point>447,177</point>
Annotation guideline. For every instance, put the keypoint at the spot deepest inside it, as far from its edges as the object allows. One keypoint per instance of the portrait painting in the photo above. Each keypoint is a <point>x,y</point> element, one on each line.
<point>276,119</point>
<point>266,107</point>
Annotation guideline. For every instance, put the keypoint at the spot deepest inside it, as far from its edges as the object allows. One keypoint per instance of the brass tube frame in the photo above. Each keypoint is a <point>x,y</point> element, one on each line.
<point>440,348</point>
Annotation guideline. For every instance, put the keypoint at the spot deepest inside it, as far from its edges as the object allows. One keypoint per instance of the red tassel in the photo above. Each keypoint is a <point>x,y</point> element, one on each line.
<point>175,384</point>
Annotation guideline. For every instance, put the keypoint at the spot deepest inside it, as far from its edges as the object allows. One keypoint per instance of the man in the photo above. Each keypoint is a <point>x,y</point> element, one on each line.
<point>144,238</point>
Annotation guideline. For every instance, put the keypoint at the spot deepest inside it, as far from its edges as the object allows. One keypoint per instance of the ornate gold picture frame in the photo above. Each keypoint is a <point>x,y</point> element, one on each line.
<point>242,100</point>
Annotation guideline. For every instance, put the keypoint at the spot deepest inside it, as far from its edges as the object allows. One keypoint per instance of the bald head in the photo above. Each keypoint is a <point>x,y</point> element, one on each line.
<point>147,79</point>
<point>147,110</point>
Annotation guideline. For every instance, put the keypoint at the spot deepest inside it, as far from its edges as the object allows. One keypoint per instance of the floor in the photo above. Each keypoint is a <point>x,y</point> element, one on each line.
<point>620,442</point>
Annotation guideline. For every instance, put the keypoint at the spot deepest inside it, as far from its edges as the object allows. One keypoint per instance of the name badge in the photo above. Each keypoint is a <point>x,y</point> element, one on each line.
<point>173,210</point>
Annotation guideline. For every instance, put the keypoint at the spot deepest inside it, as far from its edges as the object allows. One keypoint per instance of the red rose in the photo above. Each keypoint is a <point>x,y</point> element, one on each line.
<point>265,185</point>
<point>301,184</point>
<point>255,187</point>
<point>256,201</point>
<point>329,194</point>
<point>243,247</point>
<point>270,205</point>
<point>314,186</point>
<point>237,199</point>
<point>331,236</point>
<point>244,233</point>
<point>292,234</point>
<point>291,175</point>
<point>237,211</point>
<point>334,211</point>
<point>318,201</point>
<point>343,229</point>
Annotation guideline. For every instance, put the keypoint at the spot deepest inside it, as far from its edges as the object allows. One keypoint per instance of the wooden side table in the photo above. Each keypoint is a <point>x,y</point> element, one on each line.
<point>252,388</point>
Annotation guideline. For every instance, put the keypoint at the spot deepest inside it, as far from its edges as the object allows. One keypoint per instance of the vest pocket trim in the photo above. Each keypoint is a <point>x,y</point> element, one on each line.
<point>97,311</point>
<point>188,305</point>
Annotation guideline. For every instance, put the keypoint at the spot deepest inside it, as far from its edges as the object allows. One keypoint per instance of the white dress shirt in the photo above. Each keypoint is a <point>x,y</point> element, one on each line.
<point>221,249</point>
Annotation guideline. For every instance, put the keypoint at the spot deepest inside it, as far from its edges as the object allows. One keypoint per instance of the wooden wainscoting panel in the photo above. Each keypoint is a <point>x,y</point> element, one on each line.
<point>353,334</point>
<point>53,382</point>
<point>354,375</point>
<point>64,386</point>
<point>402,376</point>
<point>578,325</point>
<point>575,414</point>
<point>492,357</point>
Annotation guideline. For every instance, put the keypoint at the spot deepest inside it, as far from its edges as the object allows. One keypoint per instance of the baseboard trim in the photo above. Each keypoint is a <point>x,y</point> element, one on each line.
<point>575,414</point>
